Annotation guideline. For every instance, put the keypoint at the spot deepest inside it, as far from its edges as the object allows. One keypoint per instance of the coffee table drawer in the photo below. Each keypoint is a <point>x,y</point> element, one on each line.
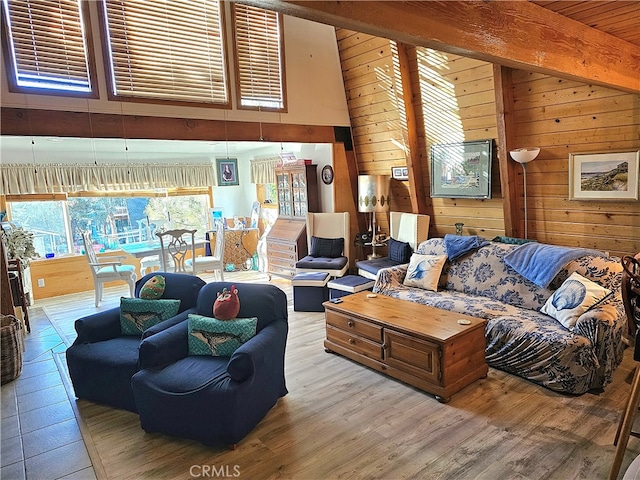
<point>354,325</point>
<point>354,343</point>
<point>417,357</point>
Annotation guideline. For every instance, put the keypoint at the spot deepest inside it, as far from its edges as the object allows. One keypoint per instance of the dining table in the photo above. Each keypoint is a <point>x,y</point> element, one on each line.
<point>145,249</point>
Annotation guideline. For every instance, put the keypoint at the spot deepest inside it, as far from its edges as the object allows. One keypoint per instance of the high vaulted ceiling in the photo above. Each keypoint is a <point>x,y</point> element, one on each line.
<point>592,41</point>
<point>618,18</point>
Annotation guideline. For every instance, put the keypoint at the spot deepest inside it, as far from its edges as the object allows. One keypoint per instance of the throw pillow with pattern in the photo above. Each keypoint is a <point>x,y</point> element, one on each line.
<point>424,271</point>
<point>574,297</point>
<point>220,338</point>
<point>138,314</point>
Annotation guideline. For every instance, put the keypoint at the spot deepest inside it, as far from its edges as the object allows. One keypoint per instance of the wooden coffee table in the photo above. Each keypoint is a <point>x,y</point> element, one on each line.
<point>431,349</point>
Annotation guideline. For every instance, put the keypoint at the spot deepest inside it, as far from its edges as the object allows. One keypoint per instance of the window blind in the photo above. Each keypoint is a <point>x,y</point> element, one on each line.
<point>259,57</point>
<point>47,44</point>
<point>167,49</point>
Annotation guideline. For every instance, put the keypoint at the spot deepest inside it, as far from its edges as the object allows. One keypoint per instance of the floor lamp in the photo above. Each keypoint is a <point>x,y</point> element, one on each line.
<point>524,156</point>
<point>373,197</point>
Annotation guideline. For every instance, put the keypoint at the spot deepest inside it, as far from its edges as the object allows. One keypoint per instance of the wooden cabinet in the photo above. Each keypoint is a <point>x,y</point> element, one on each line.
<point>297,191</point>
<point>287,240</point>
<point>423,346</point>
<point>286,244</point>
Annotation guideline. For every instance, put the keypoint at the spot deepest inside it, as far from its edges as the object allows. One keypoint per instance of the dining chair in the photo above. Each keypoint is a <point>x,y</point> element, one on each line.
<point>107,269</point>
<point>214,262</point>
<point>630,289</point>
<point>175,246</point>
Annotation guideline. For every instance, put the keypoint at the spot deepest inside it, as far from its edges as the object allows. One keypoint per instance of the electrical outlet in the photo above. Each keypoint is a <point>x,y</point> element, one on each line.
<point>41,282</point>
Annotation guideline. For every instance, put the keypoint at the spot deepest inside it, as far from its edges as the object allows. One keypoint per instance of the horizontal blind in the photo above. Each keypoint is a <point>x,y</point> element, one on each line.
<point>173,50</point>
<point>259,57</point>
<point>47,44</point>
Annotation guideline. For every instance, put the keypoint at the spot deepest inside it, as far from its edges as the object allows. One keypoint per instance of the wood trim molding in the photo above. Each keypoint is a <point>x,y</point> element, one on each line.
<point>515,34</point>
<point>505,143</point>
<point>414,166</point>
<point>20,121</point>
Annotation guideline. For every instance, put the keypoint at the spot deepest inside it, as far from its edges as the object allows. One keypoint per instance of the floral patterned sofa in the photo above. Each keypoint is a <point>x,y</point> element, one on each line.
<point>520,339</point>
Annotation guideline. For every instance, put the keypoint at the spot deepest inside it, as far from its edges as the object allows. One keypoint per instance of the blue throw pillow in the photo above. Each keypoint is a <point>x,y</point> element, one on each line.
<point>326,247</point>
<point>220,338</point>
<point>138,314</point>
<point>399,251</point>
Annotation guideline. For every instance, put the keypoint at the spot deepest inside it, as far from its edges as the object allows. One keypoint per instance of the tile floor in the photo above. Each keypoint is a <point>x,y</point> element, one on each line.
<point>40,437</point>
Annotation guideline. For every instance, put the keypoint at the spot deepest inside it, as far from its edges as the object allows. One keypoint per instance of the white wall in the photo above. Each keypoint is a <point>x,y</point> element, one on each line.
<point>315,90</point>
<point>237,200</point>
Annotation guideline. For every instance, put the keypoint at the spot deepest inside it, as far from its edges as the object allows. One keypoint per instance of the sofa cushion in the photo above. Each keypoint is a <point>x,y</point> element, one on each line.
<point>220,338</point>
<point>485,273</point>
<point>424,271</point>
<point>574,297</point>
<point>138,314</point>
<point>322,263</point>
<point>399,252</point>
<point>326,247</point>
<point>372,266</point>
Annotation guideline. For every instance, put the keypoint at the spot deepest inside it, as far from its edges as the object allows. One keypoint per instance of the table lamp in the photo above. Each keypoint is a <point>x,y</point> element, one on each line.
<point>373,197</point>
<point>524,156</point>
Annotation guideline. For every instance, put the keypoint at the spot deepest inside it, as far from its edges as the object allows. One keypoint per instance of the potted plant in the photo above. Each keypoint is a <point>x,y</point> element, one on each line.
<point>19,243</point>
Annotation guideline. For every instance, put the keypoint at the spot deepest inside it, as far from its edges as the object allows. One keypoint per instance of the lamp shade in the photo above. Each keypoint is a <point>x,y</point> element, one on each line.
<point>373,193</point>
<point>524,155</point>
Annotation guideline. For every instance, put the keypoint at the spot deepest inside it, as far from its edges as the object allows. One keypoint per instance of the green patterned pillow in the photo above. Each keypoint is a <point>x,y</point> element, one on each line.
<point>138,314</point>
<point>220,338</point>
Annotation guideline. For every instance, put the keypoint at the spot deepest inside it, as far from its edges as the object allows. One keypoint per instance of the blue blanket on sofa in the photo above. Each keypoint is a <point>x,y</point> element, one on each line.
<point>540,263</point>
<point>459,245</point>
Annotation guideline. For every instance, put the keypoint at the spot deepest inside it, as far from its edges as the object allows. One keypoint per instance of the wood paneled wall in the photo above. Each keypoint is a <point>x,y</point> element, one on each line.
<point>371,87</point>
<point>457,104</point>
<point>454,100</point>
<point>563,117</point>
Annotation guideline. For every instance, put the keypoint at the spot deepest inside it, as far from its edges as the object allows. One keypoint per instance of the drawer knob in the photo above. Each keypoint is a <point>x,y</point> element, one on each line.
<point>352,341</point>
<point>350,323</point>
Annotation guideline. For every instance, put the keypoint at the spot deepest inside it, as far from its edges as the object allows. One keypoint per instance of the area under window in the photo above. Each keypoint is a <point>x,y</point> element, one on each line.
<point>47,46</point>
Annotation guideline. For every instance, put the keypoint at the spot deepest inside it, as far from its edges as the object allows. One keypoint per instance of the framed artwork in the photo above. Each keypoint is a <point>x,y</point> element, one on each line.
<point>327,174</point>
<point>604,176</point>
<point>227,169</point>
<point>461,169</point>
<point>400,173</point>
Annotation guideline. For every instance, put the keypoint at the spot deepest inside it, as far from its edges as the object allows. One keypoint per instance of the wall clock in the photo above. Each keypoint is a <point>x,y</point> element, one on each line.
<point>327,174</point>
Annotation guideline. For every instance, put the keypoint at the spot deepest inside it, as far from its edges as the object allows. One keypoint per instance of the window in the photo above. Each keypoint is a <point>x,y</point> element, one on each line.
<point>169,50</point>
<point>113,219</point>
<point>47,46</point>
<point>259,58</point>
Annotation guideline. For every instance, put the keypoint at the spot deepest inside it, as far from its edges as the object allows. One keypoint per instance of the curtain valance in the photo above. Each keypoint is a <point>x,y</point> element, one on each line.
<point>22,179</point>
<point>262,169</point>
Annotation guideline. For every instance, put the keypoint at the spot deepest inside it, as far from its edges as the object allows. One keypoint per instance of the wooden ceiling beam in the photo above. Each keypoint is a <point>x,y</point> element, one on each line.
<point>516,34</point>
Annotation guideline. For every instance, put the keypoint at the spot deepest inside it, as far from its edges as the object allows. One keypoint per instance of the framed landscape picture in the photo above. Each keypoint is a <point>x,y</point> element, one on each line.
<point>227,170</point>
<point>604,176</point>
<point>461,169</point>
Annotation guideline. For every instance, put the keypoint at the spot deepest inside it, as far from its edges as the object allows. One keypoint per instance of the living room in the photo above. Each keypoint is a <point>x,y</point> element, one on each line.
<point>557,112</point>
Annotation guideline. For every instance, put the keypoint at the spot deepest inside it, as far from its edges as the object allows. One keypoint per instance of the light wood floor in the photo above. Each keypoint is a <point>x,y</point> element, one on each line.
<point>342,421</point>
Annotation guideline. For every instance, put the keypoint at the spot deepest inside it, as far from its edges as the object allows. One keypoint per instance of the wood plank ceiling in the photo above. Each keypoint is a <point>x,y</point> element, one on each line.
<point>618,18</point>
<point>599,45</point>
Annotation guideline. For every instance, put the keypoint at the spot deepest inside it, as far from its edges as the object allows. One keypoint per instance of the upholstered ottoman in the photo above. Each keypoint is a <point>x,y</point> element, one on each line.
<point>309,291</point>
<point>339,287</point>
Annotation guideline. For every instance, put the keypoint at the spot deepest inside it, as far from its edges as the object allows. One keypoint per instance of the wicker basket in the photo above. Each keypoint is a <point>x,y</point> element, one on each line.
<point>10,348</point>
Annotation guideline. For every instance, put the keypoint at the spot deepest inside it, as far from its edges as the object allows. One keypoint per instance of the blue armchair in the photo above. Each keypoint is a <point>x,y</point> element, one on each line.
<point>102,361</point>
<point>215,400</point>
